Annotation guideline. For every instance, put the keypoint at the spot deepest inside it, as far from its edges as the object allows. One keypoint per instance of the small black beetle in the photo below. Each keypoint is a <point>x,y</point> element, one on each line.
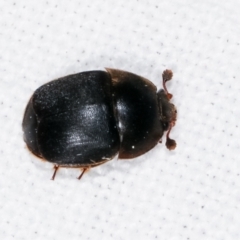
<point>85,119</point>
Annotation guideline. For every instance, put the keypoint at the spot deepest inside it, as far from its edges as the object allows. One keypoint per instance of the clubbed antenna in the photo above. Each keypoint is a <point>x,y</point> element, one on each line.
<point>167,76</point>
<point>170,143</point>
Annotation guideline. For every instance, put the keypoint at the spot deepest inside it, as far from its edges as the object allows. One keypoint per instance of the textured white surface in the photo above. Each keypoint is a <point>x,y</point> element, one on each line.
<point>190,193</point>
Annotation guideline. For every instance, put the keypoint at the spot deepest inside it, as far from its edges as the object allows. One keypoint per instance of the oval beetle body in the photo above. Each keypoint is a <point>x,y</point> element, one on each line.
<point>85,119</point>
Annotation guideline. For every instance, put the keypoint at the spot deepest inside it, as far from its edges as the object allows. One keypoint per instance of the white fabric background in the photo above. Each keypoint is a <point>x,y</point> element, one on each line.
<point>190,193</point>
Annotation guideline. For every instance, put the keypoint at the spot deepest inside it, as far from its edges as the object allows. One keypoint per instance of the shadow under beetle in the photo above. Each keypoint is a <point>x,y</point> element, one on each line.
<point>85,119</point>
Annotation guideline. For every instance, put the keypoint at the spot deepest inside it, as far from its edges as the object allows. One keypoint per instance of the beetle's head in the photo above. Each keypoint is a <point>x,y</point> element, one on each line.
<point>167,110</point>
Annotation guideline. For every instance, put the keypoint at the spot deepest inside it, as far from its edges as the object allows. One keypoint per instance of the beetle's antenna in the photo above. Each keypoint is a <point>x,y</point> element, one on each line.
<point>170,143</point>
<point>84,170</point>
<point>55,171</point>
<point>167,76</point>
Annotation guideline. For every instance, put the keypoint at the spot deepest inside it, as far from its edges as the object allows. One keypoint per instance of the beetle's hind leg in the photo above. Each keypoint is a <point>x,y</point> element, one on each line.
<point>56,167</point>
<point>83,171</point>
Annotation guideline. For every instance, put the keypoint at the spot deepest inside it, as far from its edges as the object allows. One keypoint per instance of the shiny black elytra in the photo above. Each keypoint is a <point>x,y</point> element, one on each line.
<point>85,119</point>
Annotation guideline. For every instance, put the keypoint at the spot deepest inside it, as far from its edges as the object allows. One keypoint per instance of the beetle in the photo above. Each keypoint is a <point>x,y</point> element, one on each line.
<point>86,119</point>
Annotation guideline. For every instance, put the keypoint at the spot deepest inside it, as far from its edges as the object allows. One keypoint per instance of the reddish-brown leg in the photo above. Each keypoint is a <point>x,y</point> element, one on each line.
<point>170,143</point>
<point>166,76</point>
<point>56,167</point>
<point>84,170</point>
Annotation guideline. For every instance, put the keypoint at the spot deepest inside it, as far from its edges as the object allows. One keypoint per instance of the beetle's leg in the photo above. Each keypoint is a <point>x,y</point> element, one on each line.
<point>55,171</point>
<point>167,76</point>
<point>170,143</point>
<point>84,170</point>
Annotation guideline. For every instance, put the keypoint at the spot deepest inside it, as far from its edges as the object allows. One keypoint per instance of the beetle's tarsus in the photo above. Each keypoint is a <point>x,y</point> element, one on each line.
<point>84,170</point>
<point>56,167</point>
<point>167,76</point>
